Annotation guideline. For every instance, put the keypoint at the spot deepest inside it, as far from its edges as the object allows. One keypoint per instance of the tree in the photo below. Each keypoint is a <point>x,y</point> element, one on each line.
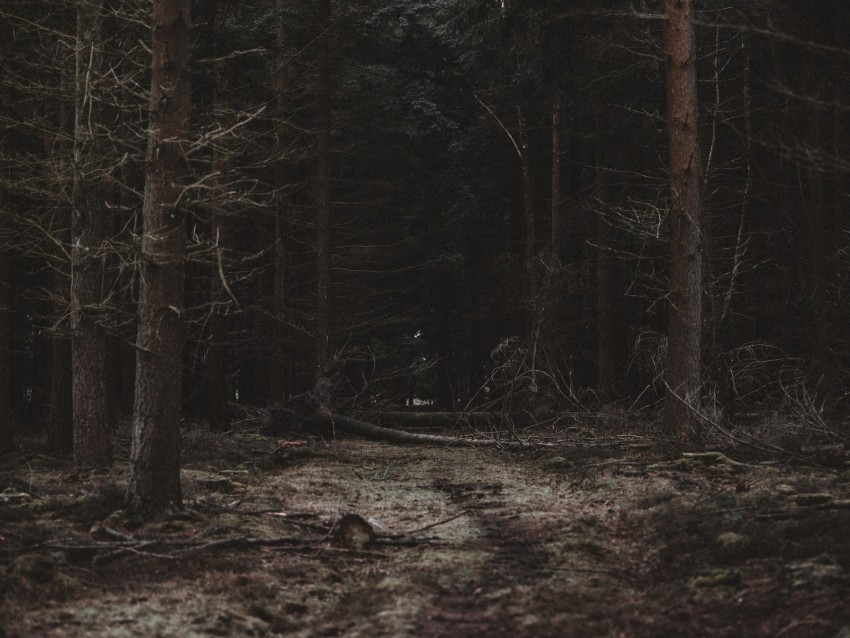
<point>6,421</point>
<point>323,195</point>
<point>278,377</point>
<point>555,233</point>
<point>154,483</point>
<point>606,298</point>
<point>217,355</point>
<point>685,297</point>
<point>91,426</point>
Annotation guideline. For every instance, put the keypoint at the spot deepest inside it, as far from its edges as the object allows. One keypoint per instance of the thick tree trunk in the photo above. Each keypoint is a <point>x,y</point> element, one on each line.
<point>685,311</point>
<point>60,422</point>
<point>278,370</point>
<point>92,445</point>
<point>154,484</point>
<point>125,356</point>
<point>323,197</point>
<point>6,434</point>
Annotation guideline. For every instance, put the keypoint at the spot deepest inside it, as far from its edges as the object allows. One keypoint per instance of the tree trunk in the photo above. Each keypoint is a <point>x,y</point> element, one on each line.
<point>323,196</point>
<point>606,302</point>
<point>60,435</point>
<point>279,360</point>
<point>60,422</point>
<point>446,393</point>
<point>92,447</point>
<point>217,356</point>
<point>556,182</point>
<point>154,484</point>
<point>815,243</point>
<point>527,200</point>
<point>685,311</point>
<point>6,434</point>
<point>6,423</point>
<point>218,392</point>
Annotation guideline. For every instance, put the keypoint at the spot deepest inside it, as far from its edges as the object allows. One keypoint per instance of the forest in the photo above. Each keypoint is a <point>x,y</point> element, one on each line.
<point>585,241</point>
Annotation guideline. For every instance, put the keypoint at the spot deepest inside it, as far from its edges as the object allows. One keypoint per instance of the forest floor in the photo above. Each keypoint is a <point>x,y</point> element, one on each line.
<point>594,536</point>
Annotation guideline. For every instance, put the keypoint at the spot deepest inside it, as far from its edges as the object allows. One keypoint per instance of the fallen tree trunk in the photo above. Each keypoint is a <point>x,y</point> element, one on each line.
<point>328,423</point>
<point>314,412</point>
<point>431,419</point>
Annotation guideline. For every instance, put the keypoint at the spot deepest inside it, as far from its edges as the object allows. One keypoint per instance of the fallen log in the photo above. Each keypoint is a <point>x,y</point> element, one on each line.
<point>433,419</point>
<point>314,412</point>
<point>331,423</point>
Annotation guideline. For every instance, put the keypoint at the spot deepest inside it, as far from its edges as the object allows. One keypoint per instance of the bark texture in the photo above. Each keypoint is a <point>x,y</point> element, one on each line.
<point>685,312</point>
<point>91,426</point>
<point>60,435</point>
<point>5,327</point>
<point>556,182</point>
<point>606,302</point>
<point>323,196</point>
<point>154,484</point>
<point>528,229</point>
<point>217,353</point>
<point>279,367</point>
<point>5,355</point>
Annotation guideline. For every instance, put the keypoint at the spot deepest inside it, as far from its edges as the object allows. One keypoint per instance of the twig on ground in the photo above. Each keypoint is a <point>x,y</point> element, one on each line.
<point>442,522</point>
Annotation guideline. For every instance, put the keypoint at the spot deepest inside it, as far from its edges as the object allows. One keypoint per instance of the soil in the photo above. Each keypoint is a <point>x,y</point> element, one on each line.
<point>593,536</point>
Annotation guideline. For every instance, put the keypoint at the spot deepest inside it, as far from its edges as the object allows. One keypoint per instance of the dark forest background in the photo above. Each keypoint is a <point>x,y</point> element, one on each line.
<point>466,264</point>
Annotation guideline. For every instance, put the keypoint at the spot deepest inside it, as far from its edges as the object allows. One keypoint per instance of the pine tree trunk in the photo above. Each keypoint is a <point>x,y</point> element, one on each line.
<point>446,392</point>
<point>280,357</point>
<point>218,392</point>
<point>6,434</point>
<point>323,196</point>
<point>527,201</point>
<point>92,447</point>
<point>60,435</point>
<point>606,303</point>
<point>815,243</point>
<point>154,484</point>
<point>217,368</point>
<point>685,312</point>
<point>555,239</point>
<point>60,422</point>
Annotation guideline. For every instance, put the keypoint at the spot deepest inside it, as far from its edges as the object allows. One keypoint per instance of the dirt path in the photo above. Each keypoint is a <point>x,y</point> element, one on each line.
<point>611,542</point>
